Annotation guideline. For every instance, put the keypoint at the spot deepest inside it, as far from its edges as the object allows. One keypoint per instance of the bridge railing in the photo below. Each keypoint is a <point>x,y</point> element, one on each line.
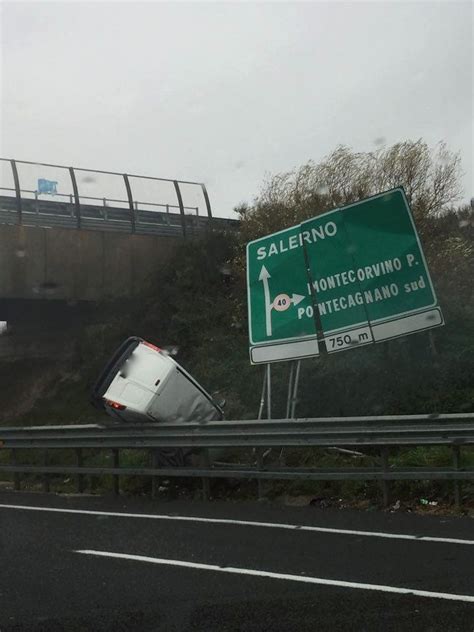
<point>381,436</point>
<point>110,216</point>
<point>121,209</point>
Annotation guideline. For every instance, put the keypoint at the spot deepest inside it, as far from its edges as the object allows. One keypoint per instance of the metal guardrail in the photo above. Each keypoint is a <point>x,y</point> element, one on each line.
<point>20,205</point>
<point>332,431</point>
<point>453,430</point>
<point>46,213</point>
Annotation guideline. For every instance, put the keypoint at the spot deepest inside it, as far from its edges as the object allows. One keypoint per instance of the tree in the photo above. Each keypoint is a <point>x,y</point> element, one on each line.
<point>430,177</point>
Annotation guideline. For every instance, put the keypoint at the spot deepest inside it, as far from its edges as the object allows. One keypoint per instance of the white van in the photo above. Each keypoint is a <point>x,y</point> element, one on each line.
<point>141,383</point>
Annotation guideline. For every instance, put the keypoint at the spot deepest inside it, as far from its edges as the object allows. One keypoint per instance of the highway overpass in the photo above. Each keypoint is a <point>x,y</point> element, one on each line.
<point>75,247</point>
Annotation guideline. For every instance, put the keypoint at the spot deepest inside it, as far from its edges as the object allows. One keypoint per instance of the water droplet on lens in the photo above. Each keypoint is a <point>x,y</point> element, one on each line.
<point>88,179</point>
<point>225,270</point>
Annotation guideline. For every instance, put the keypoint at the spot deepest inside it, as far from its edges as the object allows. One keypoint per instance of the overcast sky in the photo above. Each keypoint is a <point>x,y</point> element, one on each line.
<point>227,92</point>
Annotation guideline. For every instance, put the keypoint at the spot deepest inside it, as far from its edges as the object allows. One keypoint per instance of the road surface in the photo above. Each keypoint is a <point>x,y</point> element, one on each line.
<point>80,564</point>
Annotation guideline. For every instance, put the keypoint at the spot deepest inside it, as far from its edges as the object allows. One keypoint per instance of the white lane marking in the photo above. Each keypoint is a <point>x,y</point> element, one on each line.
<point>247,523</point>
<point>293,578</point>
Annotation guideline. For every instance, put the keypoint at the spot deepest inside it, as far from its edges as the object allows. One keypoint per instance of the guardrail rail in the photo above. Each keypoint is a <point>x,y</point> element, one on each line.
<point>381,434</point>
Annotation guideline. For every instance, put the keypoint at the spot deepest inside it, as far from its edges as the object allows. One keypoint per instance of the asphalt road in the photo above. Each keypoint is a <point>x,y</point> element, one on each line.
<point>198,567</point>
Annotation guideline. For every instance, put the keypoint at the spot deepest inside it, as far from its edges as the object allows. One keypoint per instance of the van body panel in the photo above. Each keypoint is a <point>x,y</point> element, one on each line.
<point>181,401</point>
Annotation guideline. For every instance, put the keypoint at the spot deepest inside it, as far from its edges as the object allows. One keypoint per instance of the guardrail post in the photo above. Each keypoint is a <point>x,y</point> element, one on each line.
<point>206,487</point>
<point>79,477</point>
<point>133,209</point>
<point>260,493</point>
<point>384,482</point>
<point>16,475</point>
<point>181,207</point>
<point>206,199</point>
<point>77,200</point>
<point>45,475</point>
<point>16,181</point>
<point>155,480</point>
<point>457,483</point>
<point>116,479</point>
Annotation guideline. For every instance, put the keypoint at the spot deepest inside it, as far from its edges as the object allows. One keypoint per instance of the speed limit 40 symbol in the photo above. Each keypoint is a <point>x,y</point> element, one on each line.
<point>282,302</point>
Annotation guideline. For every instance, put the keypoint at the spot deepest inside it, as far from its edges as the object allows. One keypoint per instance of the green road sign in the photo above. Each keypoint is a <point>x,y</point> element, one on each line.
<point>353,276</point>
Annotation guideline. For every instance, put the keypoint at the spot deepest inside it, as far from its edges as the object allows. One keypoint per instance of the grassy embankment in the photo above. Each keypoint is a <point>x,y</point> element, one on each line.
<point>202,311</point>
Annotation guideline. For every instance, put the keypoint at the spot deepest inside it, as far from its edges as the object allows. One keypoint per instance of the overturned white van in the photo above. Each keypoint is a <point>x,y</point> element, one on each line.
<point>141,383</point>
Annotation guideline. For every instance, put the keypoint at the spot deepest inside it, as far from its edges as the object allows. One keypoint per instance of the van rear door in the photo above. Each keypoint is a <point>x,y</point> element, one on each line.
<point>144,373</point>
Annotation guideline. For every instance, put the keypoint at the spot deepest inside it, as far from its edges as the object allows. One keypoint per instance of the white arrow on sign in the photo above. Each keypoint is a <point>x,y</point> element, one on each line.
<point>297,298</point>
<point>269,305</point>
<point>264,276</point>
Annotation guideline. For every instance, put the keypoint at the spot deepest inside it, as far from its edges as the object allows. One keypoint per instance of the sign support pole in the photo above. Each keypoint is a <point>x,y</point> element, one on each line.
<point>262,398</point>
<point>295,389</point>
<point>269,392</point>
<point>266,387</point>
<point>289,399</point>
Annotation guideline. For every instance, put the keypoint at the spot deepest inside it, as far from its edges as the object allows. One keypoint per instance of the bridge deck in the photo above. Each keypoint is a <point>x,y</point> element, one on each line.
<point>57,214</point>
